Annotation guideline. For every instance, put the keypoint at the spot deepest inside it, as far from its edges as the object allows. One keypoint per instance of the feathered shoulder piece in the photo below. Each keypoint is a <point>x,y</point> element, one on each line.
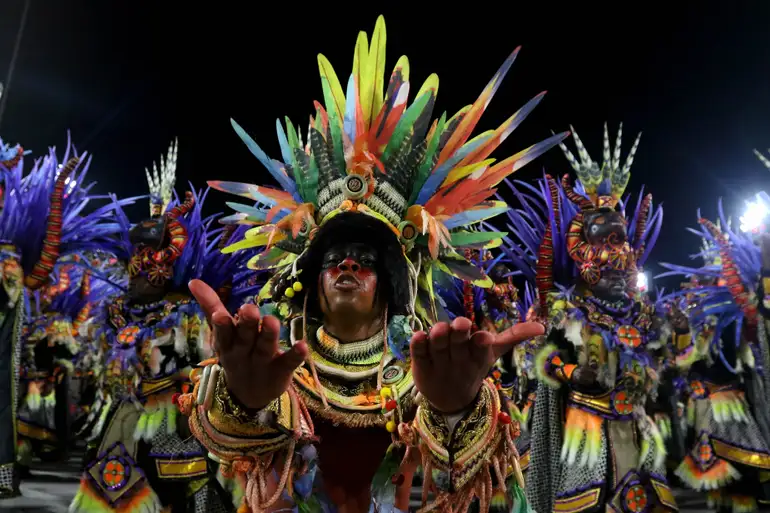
<point>369,150</point>
<point>43,213</point>
<point>161,181</point>
<point>73,289</point>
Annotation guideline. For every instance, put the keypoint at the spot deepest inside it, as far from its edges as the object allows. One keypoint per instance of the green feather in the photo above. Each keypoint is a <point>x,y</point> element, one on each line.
<point>382,482</point>
<point>299,178</point>
<point>327,172</point>
<point>305,165</point>
<point>406,124</point>
<point>466,238</point>
<point>313,172</point>
<point>427,163</point>
<point>520,504</point>
<point>335,125</point>
<point>309,505</point>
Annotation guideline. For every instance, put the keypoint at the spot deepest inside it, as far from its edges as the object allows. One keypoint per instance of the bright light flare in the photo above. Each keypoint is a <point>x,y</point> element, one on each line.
<point>642,283</point>
<point>755,216</point>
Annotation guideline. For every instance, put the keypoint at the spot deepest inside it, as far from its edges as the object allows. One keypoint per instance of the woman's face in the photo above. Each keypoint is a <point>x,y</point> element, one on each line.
<point>348,281</point>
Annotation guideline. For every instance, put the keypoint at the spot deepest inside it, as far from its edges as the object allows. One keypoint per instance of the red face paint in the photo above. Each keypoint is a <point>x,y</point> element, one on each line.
<point>348,282</point>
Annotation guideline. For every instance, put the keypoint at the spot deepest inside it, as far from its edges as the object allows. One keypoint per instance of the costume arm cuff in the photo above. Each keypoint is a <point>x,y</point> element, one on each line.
<point>229,431</point>
<point>253,444</point>
<point>478,453</point>
<point>551,368</point>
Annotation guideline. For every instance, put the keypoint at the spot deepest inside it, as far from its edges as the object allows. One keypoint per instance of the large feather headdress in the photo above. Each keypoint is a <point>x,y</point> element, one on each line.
<point>367,151</point>
<point>539,244</point>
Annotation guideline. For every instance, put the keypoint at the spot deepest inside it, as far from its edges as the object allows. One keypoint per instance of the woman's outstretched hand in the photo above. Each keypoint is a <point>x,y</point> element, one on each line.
<point>450,363</point>
<point>255,369</point>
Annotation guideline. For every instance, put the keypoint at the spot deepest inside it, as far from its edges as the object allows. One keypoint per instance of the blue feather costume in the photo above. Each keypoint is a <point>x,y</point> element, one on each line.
<point>43,218</point>
<point>153,335</point>
<point>577,244</point>
<point>725,366</point>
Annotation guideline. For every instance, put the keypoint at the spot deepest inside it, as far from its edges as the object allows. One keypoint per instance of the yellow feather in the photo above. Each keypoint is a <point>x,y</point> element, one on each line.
<point>365,81</point>
<point>431,83</point>
<point>377,61</point>
<point>242,244</point>
<point>327,73</point>
<point>262,238</point>
<point>461,172</point>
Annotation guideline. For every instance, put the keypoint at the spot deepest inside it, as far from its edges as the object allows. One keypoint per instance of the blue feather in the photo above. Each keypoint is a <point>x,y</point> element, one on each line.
<point>438,176</point>
<point>252,212</point>
<point>349,123</point>
<point>473,216</point>
<point>277,171</point>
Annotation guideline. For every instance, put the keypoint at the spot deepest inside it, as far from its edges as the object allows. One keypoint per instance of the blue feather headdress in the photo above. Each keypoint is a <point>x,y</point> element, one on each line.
<point>52,192</point>
<point>541,222</point>
<point>721,292</point>
<point>200,256</point>
<point>72,290</point>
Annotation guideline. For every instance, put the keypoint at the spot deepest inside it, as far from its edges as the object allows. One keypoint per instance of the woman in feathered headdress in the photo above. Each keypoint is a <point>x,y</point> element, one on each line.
<point>373,204</point>
<point>584,253</point>
<point>152,335</point>
<point>41,219</point>
<point>725,364</point>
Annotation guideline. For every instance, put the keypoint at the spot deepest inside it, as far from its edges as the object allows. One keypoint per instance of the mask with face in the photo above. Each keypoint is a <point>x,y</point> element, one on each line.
<point>597,237</point>
<point>157,243</point>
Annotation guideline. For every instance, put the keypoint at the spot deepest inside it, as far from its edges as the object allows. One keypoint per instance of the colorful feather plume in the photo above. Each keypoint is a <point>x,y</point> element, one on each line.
<point>368,150</point>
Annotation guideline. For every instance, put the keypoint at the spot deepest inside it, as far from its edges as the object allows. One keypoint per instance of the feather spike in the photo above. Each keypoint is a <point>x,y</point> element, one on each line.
<point>466,126</point>
<point>335,99</point>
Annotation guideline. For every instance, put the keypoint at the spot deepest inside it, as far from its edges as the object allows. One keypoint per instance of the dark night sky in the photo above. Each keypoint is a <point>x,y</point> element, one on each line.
<point>694,78</point>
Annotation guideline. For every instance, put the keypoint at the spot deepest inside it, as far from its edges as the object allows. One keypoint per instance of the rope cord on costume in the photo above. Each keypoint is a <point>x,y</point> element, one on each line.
<point>384,348</point>
<point>316,381</point>
<point>256,486</point>
<point>414,273</point>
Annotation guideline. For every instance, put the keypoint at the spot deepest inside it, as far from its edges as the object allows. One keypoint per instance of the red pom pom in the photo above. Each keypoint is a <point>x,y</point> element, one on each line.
<point>391,405</point>
<point>503,418</point>
<point>175,398</point>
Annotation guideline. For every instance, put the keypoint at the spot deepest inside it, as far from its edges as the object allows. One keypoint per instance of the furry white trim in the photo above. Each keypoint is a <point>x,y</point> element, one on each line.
<point>573,331</point>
